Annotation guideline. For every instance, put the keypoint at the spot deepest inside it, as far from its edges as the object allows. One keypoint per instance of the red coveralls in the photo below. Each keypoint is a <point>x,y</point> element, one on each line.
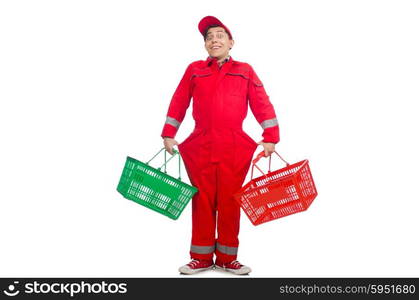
<point>218,153</point>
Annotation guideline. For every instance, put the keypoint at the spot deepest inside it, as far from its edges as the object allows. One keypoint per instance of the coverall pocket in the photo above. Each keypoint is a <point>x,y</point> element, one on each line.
<point>244,150</point>
<point>236,83</point>
<point>191,137</point>
<point>199,83</point>
<point>248,138</point>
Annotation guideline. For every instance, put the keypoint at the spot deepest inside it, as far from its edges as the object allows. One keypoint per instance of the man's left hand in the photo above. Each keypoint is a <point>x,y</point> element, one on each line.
<point>269,148</point>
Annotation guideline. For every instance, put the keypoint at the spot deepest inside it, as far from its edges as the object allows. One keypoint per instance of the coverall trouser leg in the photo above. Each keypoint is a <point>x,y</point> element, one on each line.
<point>217,173</point>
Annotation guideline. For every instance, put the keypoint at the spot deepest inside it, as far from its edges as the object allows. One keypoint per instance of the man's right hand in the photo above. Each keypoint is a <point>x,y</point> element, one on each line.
<point>169,143</point>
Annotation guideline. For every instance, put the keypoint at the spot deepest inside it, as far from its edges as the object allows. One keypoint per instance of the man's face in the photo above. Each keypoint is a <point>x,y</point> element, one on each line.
<point>217,42</point>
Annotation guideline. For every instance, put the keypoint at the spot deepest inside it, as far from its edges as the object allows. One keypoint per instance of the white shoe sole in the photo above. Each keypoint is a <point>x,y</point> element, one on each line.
<point>235,272</point>
<point>193,271</point>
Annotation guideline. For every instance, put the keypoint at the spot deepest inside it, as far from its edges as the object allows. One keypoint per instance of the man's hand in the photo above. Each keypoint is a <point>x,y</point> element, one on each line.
<point>169,143</point>
<point>269,148</point>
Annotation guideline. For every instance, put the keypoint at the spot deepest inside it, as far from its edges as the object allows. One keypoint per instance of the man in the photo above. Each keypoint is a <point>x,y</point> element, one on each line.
<point>218,153</point>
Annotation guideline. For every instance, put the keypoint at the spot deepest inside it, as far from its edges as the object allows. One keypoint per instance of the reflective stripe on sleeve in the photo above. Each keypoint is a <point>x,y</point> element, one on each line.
<point>227,250</point>
<point>202,249</point>
<point>172,122</point>
<point>269,123</point>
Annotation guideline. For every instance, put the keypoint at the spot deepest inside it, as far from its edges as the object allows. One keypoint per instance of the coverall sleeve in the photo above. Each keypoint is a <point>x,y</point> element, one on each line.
<point>178,105</point>
<point>262,109</point>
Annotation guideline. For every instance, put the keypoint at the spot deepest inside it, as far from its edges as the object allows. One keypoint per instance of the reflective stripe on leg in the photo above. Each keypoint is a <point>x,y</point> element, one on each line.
<point>227,250</point>
<point>202,249</point>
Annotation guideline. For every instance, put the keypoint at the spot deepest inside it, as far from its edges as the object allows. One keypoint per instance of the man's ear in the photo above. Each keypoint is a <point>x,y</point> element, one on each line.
<point>231,44</point>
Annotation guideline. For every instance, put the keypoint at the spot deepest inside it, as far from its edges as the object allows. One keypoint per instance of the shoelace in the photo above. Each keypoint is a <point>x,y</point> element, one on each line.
<point>236,264</point>
<point>193,263</point>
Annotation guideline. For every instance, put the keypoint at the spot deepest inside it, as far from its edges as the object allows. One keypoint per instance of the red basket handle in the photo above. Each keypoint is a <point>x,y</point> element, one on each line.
<point>259,156</point>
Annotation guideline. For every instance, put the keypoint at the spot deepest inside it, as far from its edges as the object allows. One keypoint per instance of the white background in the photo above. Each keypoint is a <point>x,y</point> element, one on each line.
<point>83,84</point>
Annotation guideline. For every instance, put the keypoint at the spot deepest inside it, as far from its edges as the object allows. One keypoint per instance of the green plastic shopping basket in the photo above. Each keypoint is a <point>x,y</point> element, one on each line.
<point>153,188</point>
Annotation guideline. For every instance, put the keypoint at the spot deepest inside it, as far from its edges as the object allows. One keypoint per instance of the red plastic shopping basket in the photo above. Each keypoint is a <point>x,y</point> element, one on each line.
<point>277,194</point>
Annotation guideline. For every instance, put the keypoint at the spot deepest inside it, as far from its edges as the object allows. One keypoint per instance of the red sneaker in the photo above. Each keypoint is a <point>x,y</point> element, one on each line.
<point>196,265</point>
<point>234,267</point>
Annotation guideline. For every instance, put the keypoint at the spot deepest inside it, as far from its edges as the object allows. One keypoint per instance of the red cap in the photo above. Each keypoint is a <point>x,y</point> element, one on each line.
<point>210,20</point>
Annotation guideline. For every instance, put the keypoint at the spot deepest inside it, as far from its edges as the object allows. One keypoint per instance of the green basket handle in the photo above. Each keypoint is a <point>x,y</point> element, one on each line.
<point>166,160</point>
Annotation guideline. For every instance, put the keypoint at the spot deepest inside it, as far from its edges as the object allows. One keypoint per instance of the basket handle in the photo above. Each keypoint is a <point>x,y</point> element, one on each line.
<point>167,160</point>
<point>259,156</point>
